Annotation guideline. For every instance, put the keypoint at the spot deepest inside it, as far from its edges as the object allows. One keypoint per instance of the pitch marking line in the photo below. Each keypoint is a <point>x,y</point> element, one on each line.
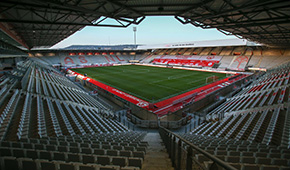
<point>180,76</point>
<point>195,81</point>
<point>165,87</point>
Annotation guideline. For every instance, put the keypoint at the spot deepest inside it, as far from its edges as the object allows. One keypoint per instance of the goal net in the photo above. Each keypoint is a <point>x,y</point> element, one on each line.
<point>211,79</point>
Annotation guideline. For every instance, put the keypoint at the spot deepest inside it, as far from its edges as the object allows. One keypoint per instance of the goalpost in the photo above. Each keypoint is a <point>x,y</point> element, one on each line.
<point>211,79</point>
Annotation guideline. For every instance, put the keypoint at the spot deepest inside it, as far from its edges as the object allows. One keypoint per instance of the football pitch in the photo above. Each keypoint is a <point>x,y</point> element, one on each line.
<point>152,84</point>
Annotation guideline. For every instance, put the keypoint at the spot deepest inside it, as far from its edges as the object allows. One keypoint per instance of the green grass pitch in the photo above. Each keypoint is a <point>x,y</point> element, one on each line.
<point>149,83</point>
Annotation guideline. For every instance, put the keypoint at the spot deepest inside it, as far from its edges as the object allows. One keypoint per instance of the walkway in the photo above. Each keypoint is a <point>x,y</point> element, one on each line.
<point>156,157</point>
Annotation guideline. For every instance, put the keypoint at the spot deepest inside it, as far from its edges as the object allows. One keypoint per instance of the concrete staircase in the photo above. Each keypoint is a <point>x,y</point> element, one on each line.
<point>156,157</point>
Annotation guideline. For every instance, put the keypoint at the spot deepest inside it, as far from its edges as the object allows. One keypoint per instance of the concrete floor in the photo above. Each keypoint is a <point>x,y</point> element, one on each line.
<point>156,157</point>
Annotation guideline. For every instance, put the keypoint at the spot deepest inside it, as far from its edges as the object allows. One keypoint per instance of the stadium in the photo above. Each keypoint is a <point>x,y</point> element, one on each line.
<point>215,104</point>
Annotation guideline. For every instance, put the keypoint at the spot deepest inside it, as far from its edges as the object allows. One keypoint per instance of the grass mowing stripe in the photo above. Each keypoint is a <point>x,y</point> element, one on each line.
<point>149,83</point>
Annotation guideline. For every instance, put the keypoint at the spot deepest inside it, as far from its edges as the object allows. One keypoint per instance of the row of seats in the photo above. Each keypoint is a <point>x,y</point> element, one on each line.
<point>48,122</point>
<point>102,138</point>
<point>263,126</point>
<point>252,100</point>
<point>43,114</point>
<point>8,163</point>
<point>50,84</point>
<point>196,63</point>
<point>251,129</point>
<point>80,149</point>
<point>240,153</point>
<point>106,158</point>
<point>52,118</point>
<point>272,88</point>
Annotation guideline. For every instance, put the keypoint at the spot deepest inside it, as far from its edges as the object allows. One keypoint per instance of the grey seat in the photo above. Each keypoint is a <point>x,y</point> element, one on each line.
<point>63,143</point>
<point>106,146</point>
<point>137,162</point>
<point>84,145</point>
<point>261,154</point>
<point>73,144</point>
<point>59,156</point>
<point>86,150</point>
<point>50,148</point>
<point>247,154</point>
<point>271,167</point>
<point>117,147</point>
<point>18,153</point>
<point>88,159</point>
<point>112,152</point>
<point>10,163</point>
<point>265,161</point>
<point>286,155</point>
<point>66,166</point>
<point>46,165</point>
<point>74,150</point>
<point>233,159</point>
<point>95,146</point>
<point>283,162</point>
<point>99,151</point>
<point>141,149</point>
<point>130,168</point>
<point>62,148</point>
<point>129,148</point>
<point>28,164</point>
<point>5,152</point>
<point>125,153</point>
<point>103,160</point>
<point>43,141</point>
<point>16,144</point>
<point>250,167</point>
<point>248,160</point>
<point>234,153</point>
<point>28,146</point>
<point>32,154</point>
<point>71,157</point>
<point>45,155</point>
<point>275,155</point>
<point>120,161</point>
<point>86,167</point>
<point>139,154</point>
<point>109,167</point>
<point>39,146</point>
<point>5,144</point>
<point>53,142</point>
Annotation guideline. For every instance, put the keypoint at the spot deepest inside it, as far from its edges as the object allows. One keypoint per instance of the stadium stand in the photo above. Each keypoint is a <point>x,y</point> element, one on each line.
<point>49,122</point>
<point>199,61</point>
<point>73,60</point>
<point>251,129</point>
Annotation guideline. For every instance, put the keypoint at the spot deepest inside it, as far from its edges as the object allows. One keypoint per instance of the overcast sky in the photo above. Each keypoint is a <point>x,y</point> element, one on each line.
<point>153,30</point>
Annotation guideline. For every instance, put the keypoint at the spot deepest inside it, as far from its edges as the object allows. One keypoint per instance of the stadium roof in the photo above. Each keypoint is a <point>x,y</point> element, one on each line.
<point>46,22</point>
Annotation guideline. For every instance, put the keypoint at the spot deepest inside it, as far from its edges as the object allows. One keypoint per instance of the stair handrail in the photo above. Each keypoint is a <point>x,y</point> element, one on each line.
<point>169,139</point>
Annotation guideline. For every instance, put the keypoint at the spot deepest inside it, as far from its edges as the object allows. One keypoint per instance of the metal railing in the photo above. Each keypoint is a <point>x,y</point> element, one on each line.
<point>182,153</point>
<point>154,123</point>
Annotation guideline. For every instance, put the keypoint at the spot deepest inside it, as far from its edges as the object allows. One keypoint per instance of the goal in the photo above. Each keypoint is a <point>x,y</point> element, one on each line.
<point>211,79</point>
